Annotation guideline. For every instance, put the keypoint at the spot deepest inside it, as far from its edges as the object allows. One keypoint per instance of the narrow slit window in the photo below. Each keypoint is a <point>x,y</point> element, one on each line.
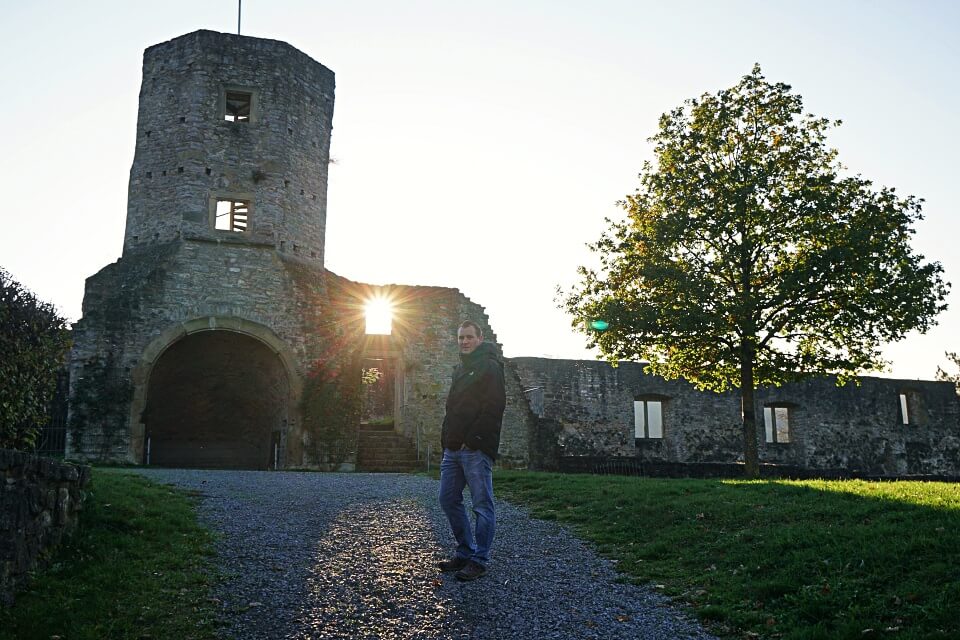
<point>904,409</point>
<point>648,419</point>
<point>237,106</point>
<point>776,423</point>
<point>232,215</point>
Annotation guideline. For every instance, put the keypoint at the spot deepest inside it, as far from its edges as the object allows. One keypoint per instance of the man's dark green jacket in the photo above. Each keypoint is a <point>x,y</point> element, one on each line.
<point>476,402</point>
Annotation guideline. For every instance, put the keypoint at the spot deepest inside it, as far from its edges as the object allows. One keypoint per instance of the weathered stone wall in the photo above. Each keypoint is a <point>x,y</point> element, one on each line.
<point>136,308</point>
<point>518,437</point>
<point>39,503</point>
<point>424,339</point>
<point>157,295</point>
<point>854,429</point>
<point>186,152</point>
<point>860,428</point>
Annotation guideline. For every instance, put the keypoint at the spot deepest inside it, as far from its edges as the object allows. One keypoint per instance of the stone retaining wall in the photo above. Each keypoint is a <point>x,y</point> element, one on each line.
<point>39,503</point>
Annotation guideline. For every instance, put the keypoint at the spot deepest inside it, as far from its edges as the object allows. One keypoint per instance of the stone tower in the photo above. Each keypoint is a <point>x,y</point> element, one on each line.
<point>219,339</point>
<point>191,347</point>
<point>233,143</point>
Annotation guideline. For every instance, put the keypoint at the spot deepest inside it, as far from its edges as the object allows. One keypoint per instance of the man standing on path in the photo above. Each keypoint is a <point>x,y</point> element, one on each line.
<point>470,439</point>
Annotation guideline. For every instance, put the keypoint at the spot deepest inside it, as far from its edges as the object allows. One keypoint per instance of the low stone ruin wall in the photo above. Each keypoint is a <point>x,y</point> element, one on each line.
<point>39,503</point>
<point>875,427</point>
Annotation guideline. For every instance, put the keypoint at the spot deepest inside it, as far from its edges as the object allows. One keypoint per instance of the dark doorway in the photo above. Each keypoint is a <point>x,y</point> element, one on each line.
<point>379,387</point>
<point>215,400</point>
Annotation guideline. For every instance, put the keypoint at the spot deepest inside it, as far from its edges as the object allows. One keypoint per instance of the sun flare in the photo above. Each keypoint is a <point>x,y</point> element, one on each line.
<point>379,313</point>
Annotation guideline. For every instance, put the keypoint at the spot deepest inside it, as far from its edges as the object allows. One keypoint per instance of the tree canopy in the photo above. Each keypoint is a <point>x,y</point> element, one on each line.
<point>748,256</point>
<point>33,345</point>
<point>942,374</point>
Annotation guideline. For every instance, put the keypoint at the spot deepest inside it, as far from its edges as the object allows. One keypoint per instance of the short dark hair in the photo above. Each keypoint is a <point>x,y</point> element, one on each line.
<point>471,323</point>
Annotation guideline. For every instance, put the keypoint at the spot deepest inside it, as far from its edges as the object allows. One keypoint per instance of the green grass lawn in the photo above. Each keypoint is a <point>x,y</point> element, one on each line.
<point>136,568</point>
<point>773,559</point>
<point>753,559</point>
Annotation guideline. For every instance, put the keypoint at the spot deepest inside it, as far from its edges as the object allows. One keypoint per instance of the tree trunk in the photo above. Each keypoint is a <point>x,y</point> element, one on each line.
<point>751,453</point>
<point>748,344</point>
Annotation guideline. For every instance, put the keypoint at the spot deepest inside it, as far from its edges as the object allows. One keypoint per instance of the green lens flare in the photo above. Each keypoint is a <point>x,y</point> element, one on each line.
<point>599,325</point>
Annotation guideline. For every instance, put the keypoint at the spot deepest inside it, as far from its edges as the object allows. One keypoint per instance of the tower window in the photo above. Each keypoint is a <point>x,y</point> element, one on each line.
<point>231,215</point>
<point>237,106</point>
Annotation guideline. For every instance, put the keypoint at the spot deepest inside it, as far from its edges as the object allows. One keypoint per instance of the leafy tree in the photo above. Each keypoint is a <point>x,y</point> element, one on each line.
<point>746,258</point>
<point>953,357</point>
<point>33,345</point>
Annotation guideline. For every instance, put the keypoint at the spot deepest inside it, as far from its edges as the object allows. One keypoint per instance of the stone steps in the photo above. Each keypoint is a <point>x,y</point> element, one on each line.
<point>380,449</point>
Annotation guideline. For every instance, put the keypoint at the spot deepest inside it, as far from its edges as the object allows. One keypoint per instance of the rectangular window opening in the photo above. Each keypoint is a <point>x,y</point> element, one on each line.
<point>379,316</point>
<point>237,106</point>
<point>232,215</point>
<point>776,424</point>
<point>648,419</point>
<point>904,409</point>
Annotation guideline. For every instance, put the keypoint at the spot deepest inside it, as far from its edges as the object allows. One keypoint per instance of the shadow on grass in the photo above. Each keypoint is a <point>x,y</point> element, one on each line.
<point>787,559</point>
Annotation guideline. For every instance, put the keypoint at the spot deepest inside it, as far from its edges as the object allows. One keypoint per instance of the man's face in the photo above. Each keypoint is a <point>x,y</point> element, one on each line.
<point>468,340</point>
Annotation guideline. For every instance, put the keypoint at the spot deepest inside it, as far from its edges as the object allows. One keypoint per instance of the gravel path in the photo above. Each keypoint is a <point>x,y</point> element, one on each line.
<point>319,555</point>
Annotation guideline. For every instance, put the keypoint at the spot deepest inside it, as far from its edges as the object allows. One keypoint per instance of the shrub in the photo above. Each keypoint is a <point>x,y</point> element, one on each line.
<point>34,341</point>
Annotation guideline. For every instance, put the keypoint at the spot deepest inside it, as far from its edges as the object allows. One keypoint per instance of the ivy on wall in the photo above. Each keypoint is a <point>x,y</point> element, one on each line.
<point>330,407</point>
<point>332,393</point>
<point>101,401</point>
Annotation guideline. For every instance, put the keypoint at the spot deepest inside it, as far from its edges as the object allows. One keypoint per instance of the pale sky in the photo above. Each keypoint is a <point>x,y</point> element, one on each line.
<point>479,145</point>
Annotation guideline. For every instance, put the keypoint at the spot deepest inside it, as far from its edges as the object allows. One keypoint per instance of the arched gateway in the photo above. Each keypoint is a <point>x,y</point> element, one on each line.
<point>215,393</point>
<point>216,399</point>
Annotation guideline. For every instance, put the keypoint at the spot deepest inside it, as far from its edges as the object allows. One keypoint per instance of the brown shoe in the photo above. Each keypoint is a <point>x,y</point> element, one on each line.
<point>453,564</point>
<point>472,571</point>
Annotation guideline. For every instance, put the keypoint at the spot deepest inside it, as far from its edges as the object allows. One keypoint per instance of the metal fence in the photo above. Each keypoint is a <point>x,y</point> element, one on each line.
<point>618,467</point>
<point>52,442</point>
<point>52,439</point>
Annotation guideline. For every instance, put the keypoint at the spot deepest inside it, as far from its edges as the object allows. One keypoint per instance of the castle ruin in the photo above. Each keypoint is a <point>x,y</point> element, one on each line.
<point>218,339</point>
<point>196,346</point>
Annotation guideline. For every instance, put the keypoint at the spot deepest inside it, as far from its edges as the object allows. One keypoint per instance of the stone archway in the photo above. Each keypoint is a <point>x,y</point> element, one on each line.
<point>216,399</point>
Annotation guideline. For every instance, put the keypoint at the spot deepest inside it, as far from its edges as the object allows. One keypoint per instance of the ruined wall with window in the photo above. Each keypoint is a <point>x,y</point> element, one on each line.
<point>139,309</point>
<point>863,428</point>
<point>601,410</point>
<point>421,351</point>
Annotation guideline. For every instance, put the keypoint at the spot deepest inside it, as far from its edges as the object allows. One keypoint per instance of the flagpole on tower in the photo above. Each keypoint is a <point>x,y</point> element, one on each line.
<point>239,7</point>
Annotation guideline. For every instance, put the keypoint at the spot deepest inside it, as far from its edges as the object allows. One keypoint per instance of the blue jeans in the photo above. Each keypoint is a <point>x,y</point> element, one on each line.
<point>473,469</point>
